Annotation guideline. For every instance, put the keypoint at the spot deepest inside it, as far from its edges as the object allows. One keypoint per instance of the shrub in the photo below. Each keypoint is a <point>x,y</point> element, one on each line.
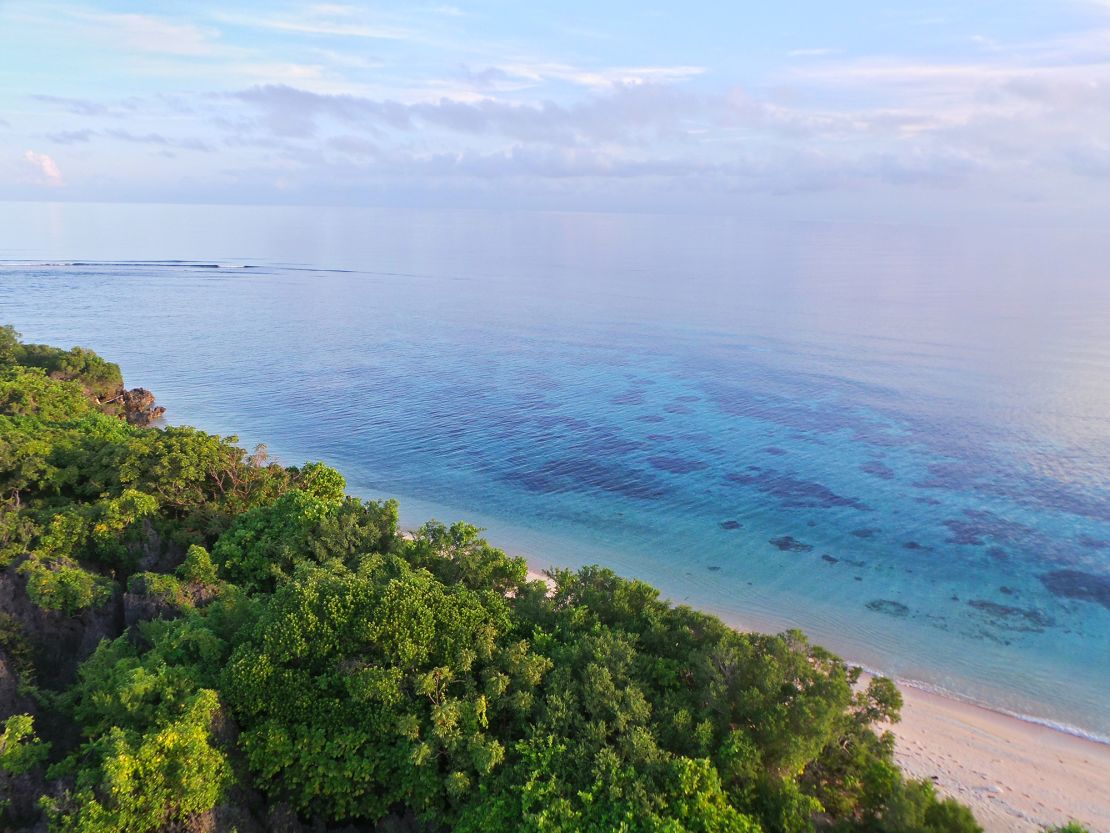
<point>20,749</point>
<point>63,585</point>
<point>197,568</point>
<point>144,782</point>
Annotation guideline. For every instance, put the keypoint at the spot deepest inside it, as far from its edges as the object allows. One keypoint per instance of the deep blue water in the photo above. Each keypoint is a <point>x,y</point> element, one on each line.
<point>895,438</point>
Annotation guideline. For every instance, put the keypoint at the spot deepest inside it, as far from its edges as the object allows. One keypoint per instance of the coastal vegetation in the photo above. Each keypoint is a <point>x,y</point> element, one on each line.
<point>197,638</point>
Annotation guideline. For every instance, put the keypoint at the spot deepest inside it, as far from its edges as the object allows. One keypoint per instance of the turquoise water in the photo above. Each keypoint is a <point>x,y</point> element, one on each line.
<point>895,438</point>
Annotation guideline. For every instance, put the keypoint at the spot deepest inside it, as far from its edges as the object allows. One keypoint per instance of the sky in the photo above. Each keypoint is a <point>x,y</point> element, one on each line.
<point>888,110</point>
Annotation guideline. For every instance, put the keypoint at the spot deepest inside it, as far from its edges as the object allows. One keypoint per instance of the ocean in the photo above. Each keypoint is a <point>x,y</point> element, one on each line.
<point>894,438</point>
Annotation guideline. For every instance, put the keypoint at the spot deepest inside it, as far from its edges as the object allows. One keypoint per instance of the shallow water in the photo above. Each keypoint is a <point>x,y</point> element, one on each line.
<point>895,438</point>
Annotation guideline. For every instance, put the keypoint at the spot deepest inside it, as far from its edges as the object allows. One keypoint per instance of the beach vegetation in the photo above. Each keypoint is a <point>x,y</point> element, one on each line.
<point>283,640</point>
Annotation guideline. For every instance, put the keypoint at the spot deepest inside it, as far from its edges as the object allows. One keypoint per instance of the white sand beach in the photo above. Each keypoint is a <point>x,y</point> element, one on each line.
<point>1016,776</point>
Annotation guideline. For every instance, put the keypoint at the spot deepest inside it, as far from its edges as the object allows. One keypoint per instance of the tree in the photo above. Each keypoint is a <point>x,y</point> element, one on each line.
<point>20,749</point>
<point>265,544</point>
<point>367,674</point>
<point>9,345</point>
<point>138,783</point>
<point>360,690</point>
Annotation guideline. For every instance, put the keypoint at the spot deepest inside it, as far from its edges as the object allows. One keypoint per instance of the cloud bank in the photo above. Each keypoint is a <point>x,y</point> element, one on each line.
<point>333,103</point>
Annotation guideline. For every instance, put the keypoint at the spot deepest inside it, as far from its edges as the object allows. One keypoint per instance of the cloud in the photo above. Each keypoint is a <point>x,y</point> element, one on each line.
<point>356,146</point>
<point>604,77</point>
<point>44,169</point>
<point>159,139</point>
<point>624,114</point>
<point>303,95</point>
<point>91,107</point>
<point>327,20</point>
<point>78,106</point>
<point>147,33</point>
<point>71,137</point>
<point>130,31</point>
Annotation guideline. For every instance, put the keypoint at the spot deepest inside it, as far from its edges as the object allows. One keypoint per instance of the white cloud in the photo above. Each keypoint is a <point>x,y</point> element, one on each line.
<point>324,105</point>
<point>321,20</point>
<point>147,33</point>
<point>44,169</point>
<point>602,77</point>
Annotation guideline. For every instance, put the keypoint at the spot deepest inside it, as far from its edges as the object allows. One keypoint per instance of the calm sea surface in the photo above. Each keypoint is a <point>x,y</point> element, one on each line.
<point>895,438</point>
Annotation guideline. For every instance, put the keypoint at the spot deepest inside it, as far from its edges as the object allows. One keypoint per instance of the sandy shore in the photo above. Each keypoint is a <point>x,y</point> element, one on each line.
<point>1016,776</point>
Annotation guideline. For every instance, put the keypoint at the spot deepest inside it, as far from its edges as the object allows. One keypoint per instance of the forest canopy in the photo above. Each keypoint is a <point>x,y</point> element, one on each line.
<point>195,637</point>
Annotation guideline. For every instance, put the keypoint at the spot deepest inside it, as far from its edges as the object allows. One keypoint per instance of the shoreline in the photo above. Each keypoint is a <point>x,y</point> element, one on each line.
<point>1017,775</point>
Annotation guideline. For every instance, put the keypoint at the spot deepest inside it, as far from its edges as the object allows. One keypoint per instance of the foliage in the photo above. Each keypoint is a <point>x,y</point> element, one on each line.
<point>10,346</point>
<point>457,553</point>
<point>14,643</point>
<point>146,781</point>
<point>99,378</point>
<point>197,568</point>
<point>163,586</point>
<point>362,689</point>
<point>264,544</point>
<point>322,482</point>
<point>61,584</point>
<point>20,749</point>
<point>26,391</point>
<point>322,658</point>
<point>915,807</point>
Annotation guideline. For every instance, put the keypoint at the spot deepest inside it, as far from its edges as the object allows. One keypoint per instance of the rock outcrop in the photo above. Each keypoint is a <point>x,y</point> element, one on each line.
<point>135,405</point>
<point>59,643</point>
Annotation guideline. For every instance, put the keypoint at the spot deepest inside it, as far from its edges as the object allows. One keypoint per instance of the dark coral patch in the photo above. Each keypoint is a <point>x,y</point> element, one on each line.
<point>793,492</point>
<point>1020,619</point>
<point>955,476</point>
<point>889,607</point>
<point>913,545</point>
<point>629,397</point>
<point>964,533</point>
<point>677,465</point>
<point>877,468</point>
<point>788,543</point>
<point>713,569</point>
<point>603,445</point>
<point>1075,584</point>
<point>775,451</point>
<point>830,559</point>
<point>1058,496</point>
<point>1093,543</point>
<point>576,472</point>
<point>675,408</point>
<point>866,532</point>
<point>977,525</point>
<point>731,524</point>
